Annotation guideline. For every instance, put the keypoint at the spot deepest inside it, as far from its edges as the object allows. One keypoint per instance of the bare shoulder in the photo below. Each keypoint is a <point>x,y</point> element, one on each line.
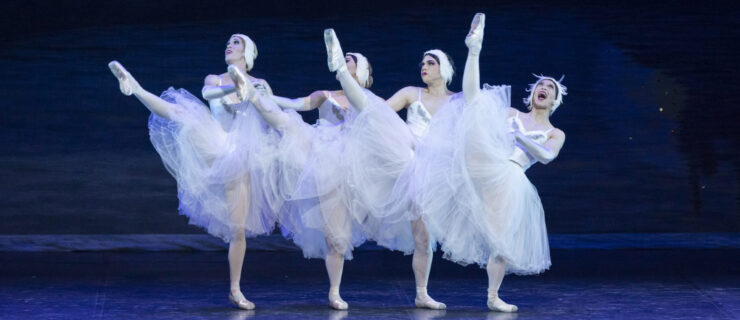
<point>259,80</point>
<point>410,90</point>
<point>408,94</point>
<point>211,80</point>
<point>557,133</point>
<point>513,111</point>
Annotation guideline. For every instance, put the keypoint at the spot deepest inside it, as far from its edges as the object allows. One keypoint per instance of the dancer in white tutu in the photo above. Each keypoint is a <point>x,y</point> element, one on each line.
<point>437,71</point>
<point>475,198</point>
<point>356,154</point>
<point>211,154</point>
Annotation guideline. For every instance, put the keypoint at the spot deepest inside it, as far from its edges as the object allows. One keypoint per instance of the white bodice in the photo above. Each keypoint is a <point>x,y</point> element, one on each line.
<point>418,118</point>
<point>332,111</point>
<point>520,155</point>
<point>224,111</point>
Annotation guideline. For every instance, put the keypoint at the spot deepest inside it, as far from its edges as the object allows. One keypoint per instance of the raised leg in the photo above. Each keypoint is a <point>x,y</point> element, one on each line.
<point>474,41</point>
<point>129,86</point>
<point>352,89</point>
<point>270,111</point>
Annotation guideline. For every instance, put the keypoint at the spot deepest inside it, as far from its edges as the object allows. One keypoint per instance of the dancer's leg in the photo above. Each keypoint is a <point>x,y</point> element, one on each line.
<point>337,240</point>
<point>474,41</point>
<point>352,89</point>
<point>237,195</point>
<point>130,86</point>
<point>496,270</point>
<point>422,263</point>
<point>334,267</point>
<point>270,111</point>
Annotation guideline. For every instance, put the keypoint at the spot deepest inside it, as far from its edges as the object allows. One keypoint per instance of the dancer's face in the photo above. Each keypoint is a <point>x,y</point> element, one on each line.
<point>234,50</point>
<point>429,69</point>
<point>545,93</point>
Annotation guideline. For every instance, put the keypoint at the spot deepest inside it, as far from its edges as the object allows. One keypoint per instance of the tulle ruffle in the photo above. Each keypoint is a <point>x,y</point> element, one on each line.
<point>474,201</point>
<point>348,180</point>
<point>218,188</point>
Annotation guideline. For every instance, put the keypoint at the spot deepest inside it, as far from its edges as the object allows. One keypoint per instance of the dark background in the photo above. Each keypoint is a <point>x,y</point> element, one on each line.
<point>650,118</point>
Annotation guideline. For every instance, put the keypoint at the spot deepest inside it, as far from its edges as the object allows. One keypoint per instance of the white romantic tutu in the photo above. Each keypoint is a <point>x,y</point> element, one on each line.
<point>348,181</point>
<point>474,201</point>
<point>218,183</point>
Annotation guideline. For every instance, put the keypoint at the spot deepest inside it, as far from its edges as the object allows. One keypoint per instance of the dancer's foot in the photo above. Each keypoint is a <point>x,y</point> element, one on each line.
<point>428,303</point>
<point>334,51</point>
<point>496,304</point>
<point>238,299</point>
<point>127,82</point>
<point>244,88</point>
<point>474,40</point>
<point>336,302</point>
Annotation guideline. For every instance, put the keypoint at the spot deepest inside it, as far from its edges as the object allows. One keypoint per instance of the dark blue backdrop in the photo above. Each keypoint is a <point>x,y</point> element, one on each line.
<point>650,117</point>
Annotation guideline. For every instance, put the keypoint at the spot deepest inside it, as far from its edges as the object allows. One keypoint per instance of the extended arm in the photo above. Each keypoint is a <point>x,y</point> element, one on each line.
<point>546,152</point>
<point>310,102</point>
<point>400,99</point>
<point>211,89</point>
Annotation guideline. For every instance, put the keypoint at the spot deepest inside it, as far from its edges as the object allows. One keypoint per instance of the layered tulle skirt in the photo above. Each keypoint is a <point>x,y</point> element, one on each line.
<point>219,186</point>
<point>347,182</point>
<point>474,201</point>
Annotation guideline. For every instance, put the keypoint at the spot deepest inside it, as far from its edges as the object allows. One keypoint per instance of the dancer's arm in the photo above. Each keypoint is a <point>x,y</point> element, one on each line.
<point>307,103</point>
<point>403,98</point>
<point>546,152</point>
<point>211,89</point>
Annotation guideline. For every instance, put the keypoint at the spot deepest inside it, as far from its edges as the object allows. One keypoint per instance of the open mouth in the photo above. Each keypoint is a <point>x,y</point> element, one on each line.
<point>541,95</point>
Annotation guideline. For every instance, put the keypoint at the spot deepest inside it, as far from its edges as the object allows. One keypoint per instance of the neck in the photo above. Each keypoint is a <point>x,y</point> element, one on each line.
<point>437,88</point>
<point>541,116</point>
<point>242,65</point>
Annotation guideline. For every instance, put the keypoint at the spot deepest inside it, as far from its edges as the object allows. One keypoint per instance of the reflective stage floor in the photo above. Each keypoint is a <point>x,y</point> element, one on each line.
<point>582,284</point>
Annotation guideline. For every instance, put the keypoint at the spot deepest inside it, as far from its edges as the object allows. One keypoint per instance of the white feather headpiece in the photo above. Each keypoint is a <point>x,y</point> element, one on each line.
<point>250,49</point>
<point>363,68</point>
<point>561,91</point>
<point>445,67</point>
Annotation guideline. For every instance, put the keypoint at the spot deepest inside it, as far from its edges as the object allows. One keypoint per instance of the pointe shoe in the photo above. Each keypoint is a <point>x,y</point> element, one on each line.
<point>241,303</point>
<point>244,88</point>
<point>429,303</point>
<point>474,39</point>
<point>336,302</point>
<point>335,57</point>
<point>127,83</point>
<point>496,304</point>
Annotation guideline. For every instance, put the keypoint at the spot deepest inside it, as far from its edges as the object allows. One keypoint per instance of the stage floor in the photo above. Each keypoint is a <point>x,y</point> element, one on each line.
<point>582,284</point>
